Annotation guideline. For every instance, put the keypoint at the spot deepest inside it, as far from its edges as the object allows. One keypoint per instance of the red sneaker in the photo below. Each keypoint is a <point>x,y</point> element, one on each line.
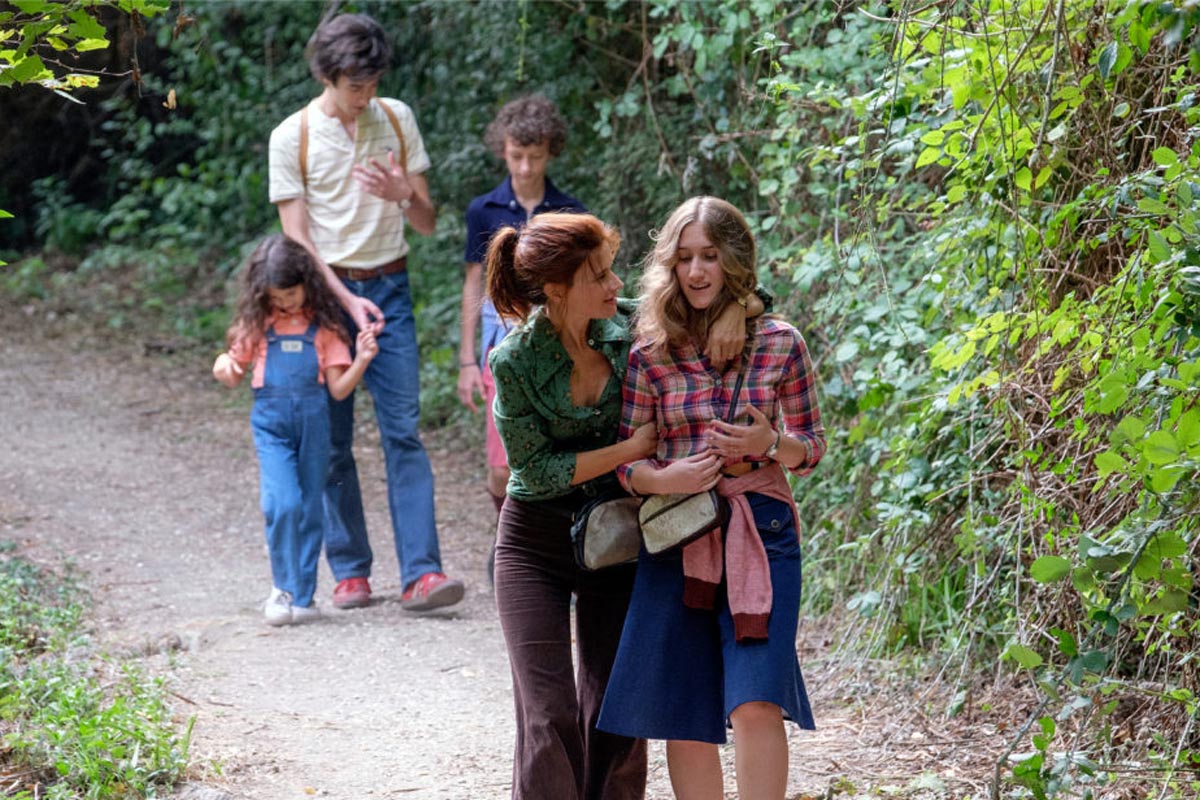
<point>352,593</point>
<point>431,590</point>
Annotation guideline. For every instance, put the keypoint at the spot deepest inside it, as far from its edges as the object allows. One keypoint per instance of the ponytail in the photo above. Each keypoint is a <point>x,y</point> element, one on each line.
<point>549,249</point>
<point>503,285</point>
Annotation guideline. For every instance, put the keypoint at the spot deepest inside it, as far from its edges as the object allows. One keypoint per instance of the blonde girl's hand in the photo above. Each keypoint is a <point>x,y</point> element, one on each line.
<point>697,473</point>
<point>646,438</point>
<point>228,371</point>
<point>738,441</point>
<point>365,346</point>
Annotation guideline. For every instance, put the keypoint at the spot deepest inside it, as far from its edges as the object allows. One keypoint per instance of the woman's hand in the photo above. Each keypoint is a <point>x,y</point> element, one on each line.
<point>645,439</point>
<point>228,371</point>
<point>366,347</point>
<point>727,336</point>
<point>737,441</point>
<point>690,475</point>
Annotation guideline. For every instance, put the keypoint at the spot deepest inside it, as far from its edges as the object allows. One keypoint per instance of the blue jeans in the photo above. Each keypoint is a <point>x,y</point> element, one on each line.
<point>391,378</point>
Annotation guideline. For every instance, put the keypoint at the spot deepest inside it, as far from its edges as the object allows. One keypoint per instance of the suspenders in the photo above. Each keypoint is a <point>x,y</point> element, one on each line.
<point>391,115</point>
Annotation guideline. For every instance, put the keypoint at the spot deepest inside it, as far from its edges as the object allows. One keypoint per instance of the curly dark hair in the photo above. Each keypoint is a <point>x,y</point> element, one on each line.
<point>353,45</point>
<point>281,263</point>
<point>527,120</point>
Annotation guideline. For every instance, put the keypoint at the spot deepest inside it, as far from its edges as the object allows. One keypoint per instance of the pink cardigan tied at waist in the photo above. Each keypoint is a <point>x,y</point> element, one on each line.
<point>740,554</point>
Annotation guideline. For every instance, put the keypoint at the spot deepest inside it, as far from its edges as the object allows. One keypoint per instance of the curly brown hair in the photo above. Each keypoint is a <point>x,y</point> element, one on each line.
<point>527,120</point>
<point>281,263</point>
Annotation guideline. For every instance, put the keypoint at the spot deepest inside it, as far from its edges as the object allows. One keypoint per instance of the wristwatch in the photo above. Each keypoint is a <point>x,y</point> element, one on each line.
<point>774,448</point>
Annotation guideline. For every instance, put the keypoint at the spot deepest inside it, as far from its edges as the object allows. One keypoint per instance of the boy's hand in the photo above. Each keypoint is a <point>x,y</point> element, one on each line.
<point>366,315</point>
<point>366,347</point>
<point>387,182</point>
<point>470,385</point>
<point>228,371</point>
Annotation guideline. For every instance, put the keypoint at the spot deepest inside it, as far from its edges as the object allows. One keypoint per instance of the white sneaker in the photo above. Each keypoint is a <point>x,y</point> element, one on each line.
<point>278,608</point>
<point>302,614</point>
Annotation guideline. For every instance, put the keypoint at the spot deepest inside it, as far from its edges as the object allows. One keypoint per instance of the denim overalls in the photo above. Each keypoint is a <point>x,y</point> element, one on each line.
<point>291,433</point>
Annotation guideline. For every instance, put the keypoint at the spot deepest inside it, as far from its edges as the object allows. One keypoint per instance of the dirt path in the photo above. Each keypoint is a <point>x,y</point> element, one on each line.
<point>141,470</point>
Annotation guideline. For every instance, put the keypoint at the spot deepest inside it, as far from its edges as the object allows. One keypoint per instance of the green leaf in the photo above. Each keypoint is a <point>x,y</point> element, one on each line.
<point>1187,430</point>
<point>1066,642</point>
<point>1171,601</point>
<point>1160,251</point>
<point>1108,57</point>
<point>928,156</point>
<point>1109,462</point>
<point>1024,178</point>
<point>934,138</point>
<point>85,45</point>
<point>26,70</point>
<point>1152,206</point>
<point>1161,448</point>
<point>1165,156</point>
<point>84,26</point>
<point>1048,569</point>
<point>1163,479</point>
<point>1130,429</point>
<point>1023,655</point>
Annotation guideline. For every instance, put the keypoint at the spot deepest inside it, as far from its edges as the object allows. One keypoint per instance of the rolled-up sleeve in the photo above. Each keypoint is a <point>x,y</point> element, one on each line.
<point>798,402</point>
<point>638,409</point>
<point>532,452</point>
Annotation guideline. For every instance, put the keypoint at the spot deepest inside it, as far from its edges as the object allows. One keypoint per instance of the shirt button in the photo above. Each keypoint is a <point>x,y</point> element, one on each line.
<point>512,205</point>
<point>591,342</point>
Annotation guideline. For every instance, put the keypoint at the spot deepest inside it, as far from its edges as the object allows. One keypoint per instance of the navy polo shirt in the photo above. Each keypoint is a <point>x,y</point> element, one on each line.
<point>490,212</point>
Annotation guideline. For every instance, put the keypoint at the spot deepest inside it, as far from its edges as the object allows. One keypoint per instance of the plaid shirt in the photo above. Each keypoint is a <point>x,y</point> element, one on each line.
<point>682,393</point>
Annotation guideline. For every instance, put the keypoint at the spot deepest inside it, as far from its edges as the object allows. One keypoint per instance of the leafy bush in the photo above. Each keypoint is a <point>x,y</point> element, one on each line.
<point>77,728</point>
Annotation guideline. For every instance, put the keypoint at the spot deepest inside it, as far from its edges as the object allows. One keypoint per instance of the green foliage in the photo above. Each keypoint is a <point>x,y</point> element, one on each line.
<point>983,217</point>
<point>78,728</point>
<point>35,34</point>
<point>1007,283</point>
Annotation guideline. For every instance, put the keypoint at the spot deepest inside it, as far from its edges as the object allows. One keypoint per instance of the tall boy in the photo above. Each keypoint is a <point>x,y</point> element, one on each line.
<point>346,173</point>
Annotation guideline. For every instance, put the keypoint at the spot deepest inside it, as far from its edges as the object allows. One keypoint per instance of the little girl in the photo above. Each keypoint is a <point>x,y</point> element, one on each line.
<point>288,325</point>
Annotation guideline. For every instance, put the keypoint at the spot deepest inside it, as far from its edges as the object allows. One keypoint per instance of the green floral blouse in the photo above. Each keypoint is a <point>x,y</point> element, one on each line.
<point>541,429</point>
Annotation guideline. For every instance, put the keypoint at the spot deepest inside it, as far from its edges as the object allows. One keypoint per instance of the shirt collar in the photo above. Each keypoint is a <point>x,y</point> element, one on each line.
<point>550,357</point>
<point>552,199</point>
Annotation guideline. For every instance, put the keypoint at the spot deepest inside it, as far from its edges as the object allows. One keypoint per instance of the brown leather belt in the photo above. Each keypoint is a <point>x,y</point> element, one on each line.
<point>355,274</point>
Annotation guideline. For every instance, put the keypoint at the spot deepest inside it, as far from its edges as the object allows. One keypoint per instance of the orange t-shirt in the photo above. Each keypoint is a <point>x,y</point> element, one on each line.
<point>331,350</point>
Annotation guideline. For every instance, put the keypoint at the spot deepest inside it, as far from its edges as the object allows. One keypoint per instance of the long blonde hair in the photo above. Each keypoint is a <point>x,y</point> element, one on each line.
<point>665,320</point>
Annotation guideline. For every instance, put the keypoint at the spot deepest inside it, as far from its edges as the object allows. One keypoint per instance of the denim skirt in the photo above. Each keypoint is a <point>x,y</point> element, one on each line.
<point>679,671</point>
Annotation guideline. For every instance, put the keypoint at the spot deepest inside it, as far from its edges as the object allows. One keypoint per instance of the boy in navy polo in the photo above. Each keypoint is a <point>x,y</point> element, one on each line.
<point>527,134</point>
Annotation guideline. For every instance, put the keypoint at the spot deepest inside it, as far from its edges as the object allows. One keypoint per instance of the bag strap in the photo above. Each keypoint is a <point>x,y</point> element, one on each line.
<point>391,115</point>
<point>737,388</point>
